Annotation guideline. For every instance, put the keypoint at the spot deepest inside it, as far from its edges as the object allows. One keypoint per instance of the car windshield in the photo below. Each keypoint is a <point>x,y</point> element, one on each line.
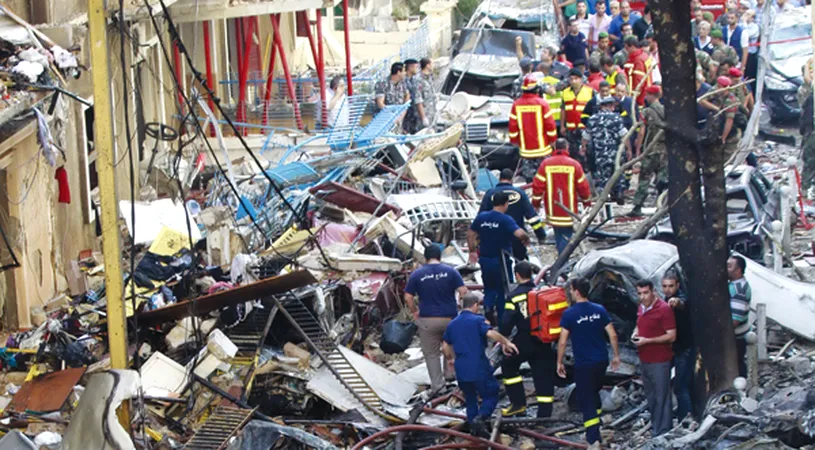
<point>493,42</point>
<point>791,40</point>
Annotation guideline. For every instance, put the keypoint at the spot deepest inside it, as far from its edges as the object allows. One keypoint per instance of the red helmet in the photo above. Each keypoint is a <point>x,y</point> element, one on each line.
<point>530,82</point>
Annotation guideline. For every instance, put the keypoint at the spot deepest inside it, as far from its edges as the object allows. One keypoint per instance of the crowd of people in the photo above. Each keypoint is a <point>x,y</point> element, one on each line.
<point>605,77</point>
<point>663,335</point>
<point>575,107</point>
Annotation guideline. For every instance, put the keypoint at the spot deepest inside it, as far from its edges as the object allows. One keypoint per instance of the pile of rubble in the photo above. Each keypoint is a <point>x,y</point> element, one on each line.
<point>260,313</point>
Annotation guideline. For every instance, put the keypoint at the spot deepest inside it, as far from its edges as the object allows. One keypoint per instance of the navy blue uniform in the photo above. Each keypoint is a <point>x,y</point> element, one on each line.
<point>521,211</point>
<point>436,285</point>
<point>542,359</point>
<point>495,231</point>
<point>467,333</point>
<point>586,323</point>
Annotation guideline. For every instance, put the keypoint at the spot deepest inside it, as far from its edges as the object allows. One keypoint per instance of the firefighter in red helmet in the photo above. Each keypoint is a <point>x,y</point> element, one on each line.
<point>532,127</point>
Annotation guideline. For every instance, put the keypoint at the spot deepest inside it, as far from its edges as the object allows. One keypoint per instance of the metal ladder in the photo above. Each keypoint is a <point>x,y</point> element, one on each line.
<point>325,347</point>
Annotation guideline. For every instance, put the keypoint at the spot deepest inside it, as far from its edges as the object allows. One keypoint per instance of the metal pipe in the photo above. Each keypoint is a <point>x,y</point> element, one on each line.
<point>239,59</point>
<point>285,64</point>
<point>453,445</point>
<point>247,48</point>
<point>105,164</point>
<point>347,33</point>
<point>179,76</point>
<point>536,435</point>
<point>321,67</point>
<point>429,429</point>
<point>316,55</point>
<point>269,84</point>
<point>210,76</point>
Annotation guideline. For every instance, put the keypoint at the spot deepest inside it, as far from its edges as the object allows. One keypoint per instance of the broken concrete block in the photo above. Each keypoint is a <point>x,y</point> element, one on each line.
<point>94,424</point>
<point>505,440</point>
<point>749,404</point>
<point>800,365</point>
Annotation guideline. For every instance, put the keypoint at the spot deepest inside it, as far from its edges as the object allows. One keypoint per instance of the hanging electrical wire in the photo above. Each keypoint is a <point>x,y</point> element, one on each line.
<point>176,39</point>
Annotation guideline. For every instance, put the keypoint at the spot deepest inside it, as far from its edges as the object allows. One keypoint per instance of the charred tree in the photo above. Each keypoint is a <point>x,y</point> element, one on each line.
<point>697,198</point>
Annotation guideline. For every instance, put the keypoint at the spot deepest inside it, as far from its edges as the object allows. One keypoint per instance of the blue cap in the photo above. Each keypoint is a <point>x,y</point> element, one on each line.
<point>526,62</point>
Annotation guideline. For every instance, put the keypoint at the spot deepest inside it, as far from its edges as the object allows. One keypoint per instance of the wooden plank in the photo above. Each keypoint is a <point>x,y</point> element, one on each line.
<point>47,393</point>
<point>245,293</point>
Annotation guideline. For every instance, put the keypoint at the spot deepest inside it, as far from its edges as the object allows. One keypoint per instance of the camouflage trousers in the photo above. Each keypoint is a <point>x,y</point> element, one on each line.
<point>604,169</point>
<point>654,164</point>
<point>528,167</point>
<point>808,156</point>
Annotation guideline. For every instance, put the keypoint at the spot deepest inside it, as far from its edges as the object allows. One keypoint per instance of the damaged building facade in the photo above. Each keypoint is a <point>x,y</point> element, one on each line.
<point>52,224</point>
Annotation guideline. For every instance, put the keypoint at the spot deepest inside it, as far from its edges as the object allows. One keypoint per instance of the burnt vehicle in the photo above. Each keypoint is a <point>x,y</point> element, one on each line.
<point>753,203</point>
<point>615,271</point>
<point>488,60</point>
<point>789,50</point>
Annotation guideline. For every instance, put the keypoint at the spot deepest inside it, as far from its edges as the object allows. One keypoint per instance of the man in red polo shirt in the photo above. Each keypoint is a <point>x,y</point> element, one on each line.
<point>655,332</point>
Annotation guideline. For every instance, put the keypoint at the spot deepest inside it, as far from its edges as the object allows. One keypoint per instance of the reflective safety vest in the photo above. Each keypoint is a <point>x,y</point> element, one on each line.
<point>612,78</point>
<point>553,100</point>
<point>574,106</point>
<point>531,126</point>
<point>559,182</point>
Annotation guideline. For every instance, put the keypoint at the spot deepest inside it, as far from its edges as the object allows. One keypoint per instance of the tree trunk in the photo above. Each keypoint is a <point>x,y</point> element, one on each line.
<point>696,174</point>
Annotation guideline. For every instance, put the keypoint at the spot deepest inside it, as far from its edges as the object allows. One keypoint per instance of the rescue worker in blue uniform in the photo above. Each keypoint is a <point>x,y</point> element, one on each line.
<point>465,342</point>
<point>540,356</point>
<point>520,209</point>
<point>495,231</point>
<point>587,323</point>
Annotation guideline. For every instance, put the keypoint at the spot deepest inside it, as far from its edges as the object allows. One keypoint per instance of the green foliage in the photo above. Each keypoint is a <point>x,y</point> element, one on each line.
<point>465,9</point>
<point>400,11</point>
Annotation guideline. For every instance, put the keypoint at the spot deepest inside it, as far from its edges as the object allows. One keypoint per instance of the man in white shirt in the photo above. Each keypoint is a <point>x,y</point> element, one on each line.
<point>734,32</point>
<point>598,23</point>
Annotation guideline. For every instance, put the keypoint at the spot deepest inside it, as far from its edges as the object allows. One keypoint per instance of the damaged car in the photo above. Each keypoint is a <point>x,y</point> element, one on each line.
<point>753,203</point>
<point>789,51</point>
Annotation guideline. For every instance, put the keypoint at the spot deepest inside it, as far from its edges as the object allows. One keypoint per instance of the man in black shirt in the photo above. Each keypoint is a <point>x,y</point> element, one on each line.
<point>683,348</point>
<point>643,25</point>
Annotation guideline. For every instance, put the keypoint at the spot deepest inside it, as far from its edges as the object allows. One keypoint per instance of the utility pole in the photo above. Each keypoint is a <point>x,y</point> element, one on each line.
<point>103,139</point>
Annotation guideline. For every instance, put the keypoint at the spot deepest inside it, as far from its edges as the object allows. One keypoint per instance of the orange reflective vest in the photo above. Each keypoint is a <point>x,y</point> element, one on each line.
<point>560,181</point>
<point>531,126</point>
<point>574,106</point>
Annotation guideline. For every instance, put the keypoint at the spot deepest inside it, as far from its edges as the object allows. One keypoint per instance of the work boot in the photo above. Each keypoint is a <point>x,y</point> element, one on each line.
<point>479,428</point>
<point>636,212</point>
<point>513,411</point>
<point>595,446</point>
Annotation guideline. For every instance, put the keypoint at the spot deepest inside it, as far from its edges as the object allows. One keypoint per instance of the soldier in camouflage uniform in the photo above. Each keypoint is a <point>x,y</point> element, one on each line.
<point>526,68</point>
<point>702,60</point>
<point>725,100</point>
<point>721,51</point>
<point>604,131</point>
<point>426,87</point>
<point>653,116</point>
<point>392,90</point>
